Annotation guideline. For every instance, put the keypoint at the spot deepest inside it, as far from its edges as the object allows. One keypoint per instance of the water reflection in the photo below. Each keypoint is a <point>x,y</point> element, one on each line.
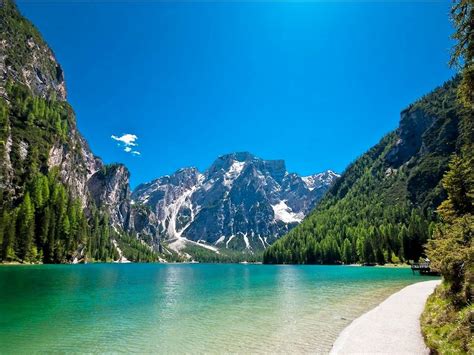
<point>173,285</point>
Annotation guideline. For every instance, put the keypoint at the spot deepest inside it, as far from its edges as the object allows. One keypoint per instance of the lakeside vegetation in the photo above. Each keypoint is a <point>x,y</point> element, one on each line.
<point>448,316</point>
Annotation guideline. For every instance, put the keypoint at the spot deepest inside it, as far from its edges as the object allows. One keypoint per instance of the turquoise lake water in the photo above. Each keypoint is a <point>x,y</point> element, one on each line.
<point>190,308</point>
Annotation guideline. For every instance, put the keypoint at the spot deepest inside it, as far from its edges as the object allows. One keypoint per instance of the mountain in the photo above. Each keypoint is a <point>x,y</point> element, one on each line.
<point>59,202</point>
<point>382,207</point>
<point>240,203</point>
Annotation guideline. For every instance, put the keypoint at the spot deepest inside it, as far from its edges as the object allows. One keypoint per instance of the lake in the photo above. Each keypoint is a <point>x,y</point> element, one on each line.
<point>186,307</point>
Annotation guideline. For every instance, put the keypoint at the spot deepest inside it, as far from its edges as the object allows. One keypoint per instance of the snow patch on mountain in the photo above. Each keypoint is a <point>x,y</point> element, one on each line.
<point>314,181</point>
<point>178,244</point>
<point>233,173</point>
<point>285,214</point>
<point>172,210</point>
<point>220,240</point>
<point>228,241</point>
<point>246,240</point>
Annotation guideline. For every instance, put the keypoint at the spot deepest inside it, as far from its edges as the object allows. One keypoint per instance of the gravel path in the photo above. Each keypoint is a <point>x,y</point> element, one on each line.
<point>393,327</point>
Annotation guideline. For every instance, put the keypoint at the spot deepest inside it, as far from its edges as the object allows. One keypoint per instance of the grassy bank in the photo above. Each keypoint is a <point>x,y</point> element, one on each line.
<point>447,329</point>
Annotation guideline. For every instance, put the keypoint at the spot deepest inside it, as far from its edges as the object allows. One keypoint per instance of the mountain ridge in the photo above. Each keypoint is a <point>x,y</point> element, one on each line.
<point>60,203</point>
<point>382,209</point>
<point>184,202</point>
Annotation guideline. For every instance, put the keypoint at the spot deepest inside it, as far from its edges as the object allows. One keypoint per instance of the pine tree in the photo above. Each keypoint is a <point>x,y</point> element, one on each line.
<point>451,248</point>
<point>26,230</point>
<point>462,14</point>
<point>458,182</point>
<point>369,255</point>
<point>405,243</point>
<point>33,162</point>
<point>50,247</point>
<point>347,251</point>
<point>9,242</point>
<point>4,221</point>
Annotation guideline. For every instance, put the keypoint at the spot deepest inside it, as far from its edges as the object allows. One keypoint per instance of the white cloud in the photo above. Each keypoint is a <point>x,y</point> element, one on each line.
<point>127,141</point>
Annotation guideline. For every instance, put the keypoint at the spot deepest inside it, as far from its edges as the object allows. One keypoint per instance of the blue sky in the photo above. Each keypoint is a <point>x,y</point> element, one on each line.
<point>313,83</point>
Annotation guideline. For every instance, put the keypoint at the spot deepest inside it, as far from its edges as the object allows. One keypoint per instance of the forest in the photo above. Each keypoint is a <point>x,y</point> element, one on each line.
<point>382,209</point>
<point>447,319</point>
<point>40,219</point>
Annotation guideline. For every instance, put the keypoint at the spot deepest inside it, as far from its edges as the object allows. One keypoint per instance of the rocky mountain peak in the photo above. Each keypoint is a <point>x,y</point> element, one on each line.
<point>317,180</point>
<point>186,177</point>
<point>225,162</point>
<point>240,202</point>
<point>25,58</point>
<point>238,156</point>
<point>275,168</point>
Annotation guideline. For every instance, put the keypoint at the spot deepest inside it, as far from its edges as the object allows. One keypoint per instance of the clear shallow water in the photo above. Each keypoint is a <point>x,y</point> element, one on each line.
<point>186,308</point>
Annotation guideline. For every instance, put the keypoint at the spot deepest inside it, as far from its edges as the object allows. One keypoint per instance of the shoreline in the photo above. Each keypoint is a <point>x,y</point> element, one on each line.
<point>388,266</point>
<point>392,327</point>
